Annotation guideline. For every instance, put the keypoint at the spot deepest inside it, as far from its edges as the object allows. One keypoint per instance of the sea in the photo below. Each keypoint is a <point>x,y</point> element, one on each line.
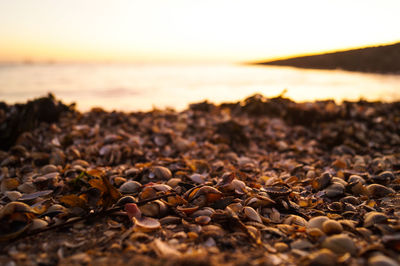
<point>144,87</point>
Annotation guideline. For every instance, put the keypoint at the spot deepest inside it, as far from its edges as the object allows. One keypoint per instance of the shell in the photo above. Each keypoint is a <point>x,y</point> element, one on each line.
<point>198,178</point>
<point>160,172</point>
<point>13,195</point>
<point>380,259</point>
<point>259,201</point>
<point>334,190</point>
<point>356,179</point>
<point>130,187</point>
<point>146,224</point>
<point>203,220</point>
<point>351,199</point>
<point>126,199</point>
<point>322,181</point>
<point>295,219</point>
<point>251,214</point>
<point>37,224</point>
<point>372,218</point>
<point>379,191</point>
<point>15,207</point>
<point>155,208</point>
<point>277,191</point>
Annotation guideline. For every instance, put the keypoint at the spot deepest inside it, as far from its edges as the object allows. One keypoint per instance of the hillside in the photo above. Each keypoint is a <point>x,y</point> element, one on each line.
<point>379,59</point>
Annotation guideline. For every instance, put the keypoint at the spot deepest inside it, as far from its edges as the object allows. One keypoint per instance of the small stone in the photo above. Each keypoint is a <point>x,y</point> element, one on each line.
<point>317,222</point>
<point>340,244</point>
<point>323,257</point>
<point>301,244</point>
<point>315,233</point>
<point>332,227</point>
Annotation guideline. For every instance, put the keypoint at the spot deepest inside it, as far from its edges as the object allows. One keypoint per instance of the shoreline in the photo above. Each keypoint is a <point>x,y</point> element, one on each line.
<point>383,59</point>
<point>262,181</point>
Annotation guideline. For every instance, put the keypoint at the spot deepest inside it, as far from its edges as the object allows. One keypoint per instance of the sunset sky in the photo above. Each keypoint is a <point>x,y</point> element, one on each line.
<point>190,31</point>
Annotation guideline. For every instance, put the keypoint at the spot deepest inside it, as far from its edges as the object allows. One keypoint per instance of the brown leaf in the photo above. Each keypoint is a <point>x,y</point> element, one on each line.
<point>73,200</point>
<point>95,172</point>
<point>175,200</point>
<point>99,184</point>
<point>112,191</point>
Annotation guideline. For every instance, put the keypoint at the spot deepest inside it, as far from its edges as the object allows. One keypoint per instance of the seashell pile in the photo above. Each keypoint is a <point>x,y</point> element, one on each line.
<point>258,182</point>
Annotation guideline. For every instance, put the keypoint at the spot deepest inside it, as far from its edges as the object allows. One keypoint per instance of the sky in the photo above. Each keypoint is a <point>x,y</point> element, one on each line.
<point>190,31</point>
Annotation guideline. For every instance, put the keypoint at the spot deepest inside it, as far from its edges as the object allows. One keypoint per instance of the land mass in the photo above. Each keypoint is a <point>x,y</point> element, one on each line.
<point>383,59</point>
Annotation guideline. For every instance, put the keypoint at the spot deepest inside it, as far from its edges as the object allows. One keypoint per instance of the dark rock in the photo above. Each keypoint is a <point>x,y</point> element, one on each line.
<point>20,118</point>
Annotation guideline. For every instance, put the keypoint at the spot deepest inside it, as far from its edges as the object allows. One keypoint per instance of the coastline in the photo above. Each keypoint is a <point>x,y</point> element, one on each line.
<point>383,59</point>
<point>241,181</point>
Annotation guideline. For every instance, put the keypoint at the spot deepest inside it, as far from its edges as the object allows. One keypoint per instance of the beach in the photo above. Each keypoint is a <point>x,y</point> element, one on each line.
<point>261,181</point>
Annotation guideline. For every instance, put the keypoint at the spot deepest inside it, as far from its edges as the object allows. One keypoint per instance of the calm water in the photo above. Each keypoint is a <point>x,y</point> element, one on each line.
<point>140,87</point>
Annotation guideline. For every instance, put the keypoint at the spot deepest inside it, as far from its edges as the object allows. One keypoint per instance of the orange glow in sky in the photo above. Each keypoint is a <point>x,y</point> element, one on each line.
<point>187,31</point>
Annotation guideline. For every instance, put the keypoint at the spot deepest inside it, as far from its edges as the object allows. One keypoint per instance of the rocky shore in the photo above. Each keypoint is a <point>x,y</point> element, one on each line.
<point>383,59</point>
<point>264,181</point>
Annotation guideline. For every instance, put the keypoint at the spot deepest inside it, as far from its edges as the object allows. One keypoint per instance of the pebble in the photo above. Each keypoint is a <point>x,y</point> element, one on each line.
<point>340,244</point>
<point>323,257</point>
<point>301,244</point>
<point>331,227</point>
<point>317,222</point>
